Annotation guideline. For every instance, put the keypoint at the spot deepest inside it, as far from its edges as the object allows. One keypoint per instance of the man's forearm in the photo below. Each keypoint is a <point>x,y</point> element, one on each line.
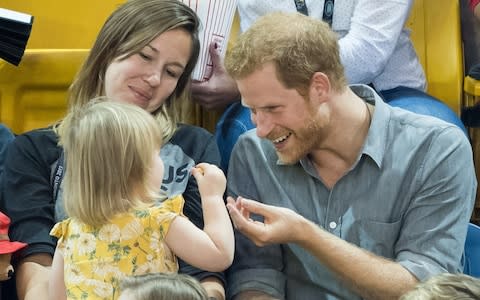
<point>369,275</point>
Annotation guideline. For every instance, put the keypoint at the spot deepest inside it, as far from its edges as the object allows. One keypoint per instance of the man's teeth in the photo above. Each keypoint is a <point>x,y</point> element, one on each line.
<point>281,139</point>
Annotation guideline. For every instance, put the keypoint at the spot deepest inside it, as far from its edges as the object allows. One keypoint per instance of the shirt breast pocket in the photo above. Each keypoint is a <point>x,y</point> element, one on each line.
<point>378,237</point>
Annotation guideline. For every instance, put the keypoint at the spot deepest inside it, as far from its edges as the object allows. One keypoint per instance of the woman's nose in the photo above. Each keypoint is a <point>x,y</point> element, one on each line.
<point>153,78</point>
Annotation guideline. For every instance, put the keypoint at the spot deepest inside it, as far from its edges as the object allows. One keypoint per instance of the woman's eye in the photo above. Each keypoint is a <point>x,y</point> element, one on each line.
<point>173,74</point>
<point>144,56</point>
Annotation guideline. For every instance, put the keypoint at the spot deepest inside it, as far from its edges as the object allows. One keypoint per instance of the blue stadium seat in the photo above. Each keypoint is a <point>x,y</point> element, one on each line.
<point>472,251</point>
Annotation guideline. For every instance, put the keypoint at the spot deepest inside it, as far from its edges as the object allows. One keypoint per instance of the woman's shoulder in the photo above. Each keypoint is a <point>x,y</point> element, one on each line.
<point>44,136</point>
<point>43,142</point>
<point>191,131</point>
<point>196,143</point>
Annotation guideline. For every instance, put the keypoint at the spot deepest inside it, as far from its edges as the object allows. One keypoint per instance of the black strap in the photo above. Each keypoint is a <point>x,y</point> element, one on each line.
<point>328,12</point>
<point>58,176</point>
<point>301,6</point>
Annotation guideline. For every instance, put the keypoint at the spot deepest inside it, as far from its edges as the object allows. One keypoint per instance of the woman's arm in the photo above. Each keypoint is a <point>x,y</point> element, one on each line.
<point>27,199</point>
<point>32,275</point>
<point>56,287</point>
<point>375,27</point>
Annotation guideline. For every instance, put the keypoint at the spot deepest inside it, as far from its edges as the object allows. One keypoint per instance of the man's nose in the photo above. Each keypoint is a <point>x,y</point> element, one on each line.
<point>263,123</point>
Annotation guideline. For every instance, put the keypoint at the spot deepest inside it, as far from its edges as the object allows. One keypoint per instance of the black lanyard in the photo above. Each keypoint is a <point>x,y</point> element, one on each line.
<point>301,6</point>
<point>57,176</point>
<point>327,10</point>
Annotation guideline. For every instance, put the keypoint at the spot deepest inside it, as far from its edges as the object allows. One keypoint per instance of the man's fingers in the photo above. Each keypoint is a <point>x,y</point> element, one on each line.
<point>254,206</point>
<point>235,215</point>
<point>253,230</point>
<point>215,54</point>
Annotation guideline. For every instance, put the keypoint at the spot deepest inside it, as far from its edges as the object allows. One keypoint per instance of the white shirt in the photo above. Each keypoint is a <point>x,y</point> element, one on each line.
<point>375,46</point>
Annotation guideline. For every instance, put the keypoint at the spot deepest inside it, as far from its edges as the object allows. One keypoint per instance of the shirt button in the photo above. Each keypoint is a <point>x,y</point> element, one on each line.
<point>332,225</point>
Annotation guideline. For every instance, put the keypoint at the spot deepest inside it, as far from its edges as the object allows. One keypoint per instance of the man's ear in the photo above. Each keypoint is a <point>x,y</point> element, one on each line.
<point>319,87</point>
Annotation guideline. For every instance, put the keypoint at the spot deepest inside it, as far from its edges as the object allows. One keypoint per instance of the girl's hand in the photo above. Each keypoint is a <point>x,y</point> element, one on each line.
<point>210,179</point>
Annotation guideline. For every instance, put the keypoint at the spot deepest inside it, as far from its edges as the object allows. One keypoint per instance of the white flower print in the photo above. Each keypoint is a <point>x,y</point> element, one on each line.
<point>109,233</point>
<point>86,243</point>
<point>151,266</point>
<point>155,240</point>
<point>104,267</point>
<point>102,289</point>
<point>132,230</point>
<point>73,276</point>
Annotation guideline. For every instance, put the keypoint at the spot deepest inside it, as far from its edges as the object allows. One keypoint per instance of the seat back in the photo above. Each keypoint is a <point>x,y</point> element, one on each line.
<point>472,251</point>
<point>436,36</point>
<point>33,94</point>
<point>64,24</point>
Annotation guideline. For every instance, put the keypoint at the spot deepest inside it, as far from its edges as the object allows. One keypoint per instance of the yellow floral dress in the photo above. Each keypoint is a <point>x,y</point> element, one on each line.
<point>97,258</point>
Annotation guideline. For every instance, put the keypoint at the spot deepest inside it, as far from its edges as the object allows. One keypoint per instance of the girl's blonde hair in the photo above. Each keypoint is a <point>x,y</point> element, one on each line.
<point>109,151</point>
<point>131,27</point>
<point>446,286</point>
<point>162,286</point>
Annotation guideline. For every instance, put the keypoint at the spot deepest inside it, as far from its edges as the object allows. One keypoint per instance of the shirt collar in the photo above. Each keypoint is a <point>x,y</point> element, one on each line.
<point>375,143</point>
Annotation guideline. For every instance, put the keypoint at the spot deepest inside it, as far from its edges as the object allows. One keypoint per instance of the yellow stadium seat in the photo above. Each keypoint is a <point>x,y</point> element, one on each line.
<point>436,35</point>
<point>33,95</point>
<point>64,24</point>
<point>435,32</point>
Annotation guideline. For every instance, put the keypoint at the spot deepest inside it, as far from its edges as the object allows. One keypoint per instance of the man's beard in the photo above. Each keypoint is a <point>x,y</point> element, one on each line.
<point>306,138</point>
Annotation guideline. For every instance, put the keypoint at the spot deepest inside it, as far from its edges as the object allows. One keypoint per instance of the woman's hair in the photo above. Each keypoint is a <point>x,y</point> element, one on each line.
<point>109,151</point>
<point>130,28</point>
<point>446,286</point>
<point>297,45</point>
<point>163,286</point>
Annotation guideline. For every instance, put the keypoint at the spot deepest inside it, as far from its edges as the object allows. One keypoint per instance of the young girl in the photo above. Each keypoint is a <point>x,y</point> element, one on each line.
<point>113,171</point>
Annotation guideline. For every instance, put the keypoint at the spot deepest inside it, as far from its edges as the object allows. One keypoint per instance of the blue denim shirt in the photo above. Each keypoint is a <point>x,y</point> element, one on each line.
<point>408,198</point>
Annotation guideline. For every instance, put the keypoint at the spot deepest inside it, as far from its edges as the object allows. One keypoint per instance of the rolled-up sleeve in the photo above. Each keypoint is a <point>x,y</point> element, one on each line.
<point>435,225</point>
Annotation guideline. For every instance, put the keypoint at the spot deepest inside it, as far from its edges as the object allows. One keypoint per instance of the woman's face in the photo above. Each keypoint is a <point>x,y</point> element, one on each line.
<point>148,77</point>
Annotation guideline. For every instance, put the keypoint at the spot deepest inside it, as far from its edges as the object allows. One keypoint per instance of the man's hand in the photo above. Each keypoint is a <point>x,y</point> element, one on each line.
<point>220,89</point>
<point>281,225</point>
